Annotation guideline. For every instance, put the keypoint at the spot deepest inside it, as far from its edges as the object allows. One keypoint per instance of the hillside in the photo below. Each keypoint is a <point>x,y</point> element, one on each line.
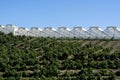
<point>31,58</point>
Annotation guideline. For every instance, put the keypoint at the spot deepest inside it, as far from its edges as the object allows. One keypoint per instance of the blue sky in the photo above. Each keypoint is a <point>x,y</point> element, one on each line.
<point>57,13</point>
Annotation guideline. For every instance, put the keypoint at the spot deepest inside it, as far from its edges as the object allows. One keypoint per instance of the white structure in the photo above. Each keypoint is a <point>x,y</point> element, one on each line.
<point>2,29</point>
<point>8,28</point>
<point>52,32</point>
<point>34,31</point>
<point>65,32</point>
<point>98,33</point>
<point>113,32</point>
<point>78,32</point>
<point>21,31</point>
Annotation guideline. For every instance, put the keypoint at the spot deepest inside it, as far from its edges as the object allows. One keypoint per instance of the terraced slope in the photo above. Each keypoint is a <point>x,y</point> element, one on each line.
<point>30,58</point>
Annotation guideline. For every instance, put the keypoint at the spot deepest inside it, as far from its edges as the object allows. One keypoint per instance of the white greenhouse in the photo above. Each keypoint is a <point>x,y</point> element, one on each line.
<point>65,32</point>
<point>52,32</point>
<point>98,33</point>
<point>21,31</point>
<point>2,29</point>
<point>34,31</point>
<point>8,28</point>
<point>78,32</point>
<point>113,32</point>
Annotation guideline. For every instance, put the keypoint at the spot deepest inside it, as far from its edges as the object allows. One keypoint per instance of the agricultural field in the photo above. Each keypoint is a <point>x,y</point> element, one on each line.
<point>32,58</point>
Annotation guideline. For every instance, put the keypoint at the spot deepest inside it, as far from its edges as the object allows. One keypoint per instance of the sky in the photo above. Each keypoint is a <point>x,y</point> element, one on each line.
<point>60,13</point>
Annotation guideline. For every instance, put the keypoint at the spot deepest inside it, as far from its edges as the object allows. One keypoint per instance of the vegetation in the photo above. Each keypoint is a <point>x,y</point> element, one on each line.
<point>31,58</point>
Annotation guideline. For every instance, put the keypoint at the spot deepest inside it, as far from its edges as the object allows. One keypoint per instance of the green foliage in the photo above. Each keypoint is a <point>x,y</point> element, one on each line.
<point>30,58</point>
